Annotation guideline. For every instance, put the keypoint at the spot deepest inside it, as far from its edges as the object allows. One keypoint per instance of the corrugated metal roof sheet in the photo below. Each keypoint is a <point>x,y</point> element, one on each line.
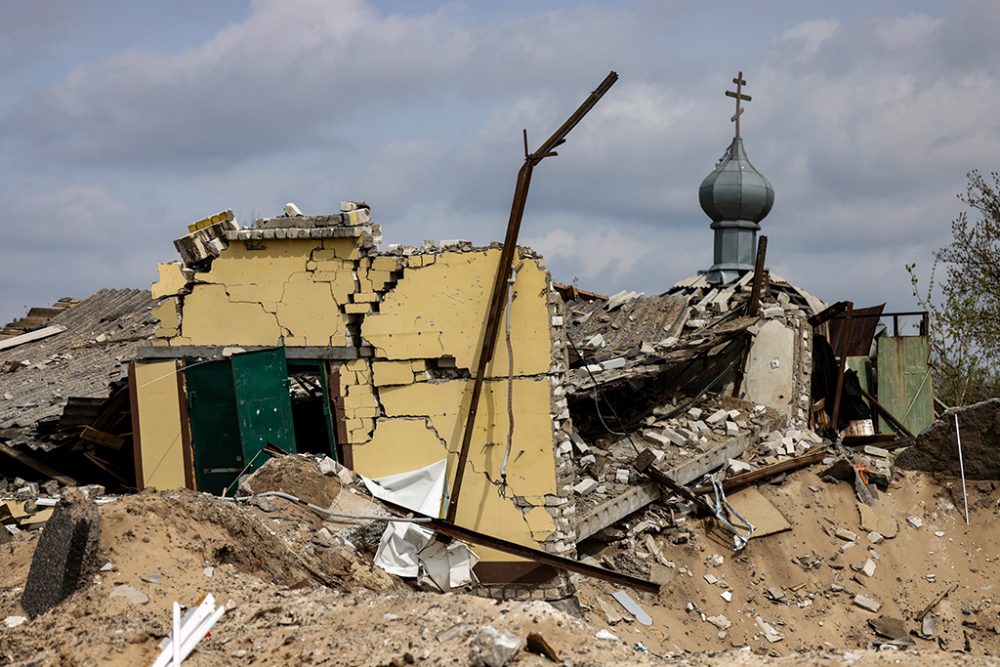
<point>59,368</point>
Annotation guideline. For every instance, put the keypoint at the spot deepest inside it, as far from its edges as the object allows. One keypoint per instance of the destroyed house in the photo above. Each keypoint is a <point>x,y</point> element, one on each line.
<point>299,333</point>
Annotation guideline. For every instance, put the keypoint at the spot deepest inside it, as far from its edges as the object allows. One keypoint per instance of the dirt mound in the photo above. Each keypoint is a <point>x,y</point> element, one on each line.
<point>297,475</point>
<point>936,449</point>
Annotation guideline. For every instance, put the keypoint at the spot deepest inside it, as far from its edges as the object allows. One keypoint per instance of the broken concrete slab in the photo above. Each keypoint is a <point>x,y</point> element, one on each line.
<point>66,555</point>
<point>131,594</point>
<point>494,648</point>
<point>867,603</point>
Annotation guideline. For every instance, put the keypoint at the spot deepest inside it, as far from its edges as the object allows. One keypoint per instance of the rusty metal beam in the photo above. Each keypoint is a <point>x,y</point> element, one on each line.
<point>889,417</point>
<point>547,149</point>
<point>845,341</point>
<point>559,562</point>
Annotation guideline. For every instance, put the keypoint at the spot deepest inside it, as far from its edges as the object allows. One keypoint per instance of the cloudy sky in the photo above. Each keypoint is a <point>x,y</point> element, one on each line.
<point>121,122</point>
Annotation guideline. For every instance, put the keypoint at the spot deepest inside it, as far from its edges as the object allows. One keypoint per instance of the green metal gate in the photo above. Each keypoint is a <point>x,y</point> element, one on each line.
<point>904,381</point>
<point>215,428</point>
<point>262,405</point>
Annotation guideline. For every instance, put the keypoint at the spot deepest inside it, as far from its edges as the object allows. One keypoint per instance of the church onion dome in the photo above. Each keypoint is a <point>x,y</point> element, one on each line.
<point>735,190</point>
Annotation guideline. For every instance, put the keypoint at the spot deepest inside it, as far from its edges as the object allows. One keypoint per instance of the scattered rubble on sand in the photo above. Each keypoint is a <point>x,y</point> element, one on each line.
<point>313,451</point>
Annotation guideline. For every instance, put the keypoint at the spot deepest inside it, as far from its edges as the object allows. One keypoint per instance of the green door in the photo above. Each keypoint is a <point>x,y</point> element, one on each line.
<point>262,404</point>
<point>215,428</point>
<point>904,381</point>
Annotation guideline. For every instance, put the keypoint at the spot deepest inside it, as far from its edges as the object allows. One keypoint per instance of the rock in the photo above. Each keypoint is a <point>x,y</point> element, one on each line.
<point>888,527</point>
<point>775,594</point>
<point>494,648</point>
<point>152,577</point>
<point>606,635</point>
<point>846,535</point>
<point>208,571</point>
<point>915,521</point>
<point>323,538</point>
<point>875,537</point>
<point>868,568</point>
<point>107,567</point>
<point>890,628</point>
<point>611,613</point>
<point>726,595</point>
<point>612,364</point>
<point>770,633</point>
<point>720,622</point>
<point>454,632</point>
<point>14,621</point>
<point>868,517</point>
<point>867,603</point>
<point>716,417</point>
<point>328,466</point>
<point>65,558</point>
<point>133,595</point>
<point>265,503</point>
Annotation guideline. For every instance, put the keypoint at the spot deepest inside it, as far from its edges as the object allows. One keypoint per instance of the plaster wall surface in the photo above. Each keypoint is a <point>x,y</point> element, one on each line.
<point>770,374</point>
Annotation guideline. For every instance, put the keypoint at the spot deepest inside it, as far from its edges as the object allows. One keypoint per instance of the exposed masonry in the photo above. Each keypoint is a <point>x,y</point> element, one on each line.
<point>345,257</point>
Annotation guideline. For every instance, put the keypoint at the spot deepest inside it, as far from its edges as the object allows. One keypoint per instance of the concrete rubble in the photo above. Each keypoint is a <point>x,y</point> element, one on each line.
<point>680,441</point>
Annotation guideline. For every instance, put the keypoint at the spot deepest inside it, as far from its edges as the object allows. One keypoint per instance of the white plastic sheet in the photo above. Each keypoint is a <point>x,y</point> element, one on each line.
<point>410,550</point>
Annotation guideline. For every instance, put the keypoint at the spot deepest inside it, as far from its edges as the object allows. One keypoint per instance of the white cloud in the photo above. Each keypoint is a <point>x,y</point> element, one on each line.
<point>902,32</point>
<point>811,35</point>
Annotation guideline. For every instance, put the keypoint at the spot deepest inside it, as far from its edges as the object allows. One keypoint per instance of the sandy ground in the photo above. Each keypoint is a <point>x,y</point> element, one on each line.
<point>268,572</point>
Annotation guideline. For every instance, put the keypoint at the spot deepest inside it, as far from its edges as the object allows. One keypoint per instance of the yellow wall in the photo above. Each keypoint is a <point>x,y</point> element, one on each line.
<point>414,311</point>
<point>158,405</point>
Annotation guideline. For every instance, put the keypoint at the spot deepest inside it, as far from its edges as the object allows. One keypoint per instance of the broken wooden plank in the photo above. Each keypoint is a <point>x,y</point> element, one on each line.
<point>102,438</point>
<point>37,334</point>
<point>744,479</point>
<point>37,466</point>
<point>766,518</point>
<point>889,417</point>
<point>935,602</point>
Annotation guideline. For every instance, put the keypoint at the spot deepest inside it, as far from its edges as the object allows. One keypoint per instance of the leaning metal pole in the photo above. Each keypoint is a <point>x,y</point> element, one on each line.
<point>503,274</point>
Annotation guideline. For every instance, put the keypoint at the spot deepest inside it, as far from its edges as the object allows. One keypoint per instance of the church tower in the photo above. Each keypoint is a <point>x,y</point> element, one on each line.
<point>736,197</point>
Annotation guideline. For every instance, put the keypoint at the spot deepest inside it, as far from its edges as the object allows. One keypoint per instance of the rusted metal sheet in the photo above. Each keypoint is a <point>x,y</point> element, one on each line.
<point>860,332</point>
<point>905,386</point>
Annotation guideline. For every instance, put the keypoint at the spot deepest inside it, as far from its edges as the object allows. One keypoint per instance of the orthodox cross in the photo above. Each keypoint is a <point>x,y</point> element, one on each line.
<point>739,97</point>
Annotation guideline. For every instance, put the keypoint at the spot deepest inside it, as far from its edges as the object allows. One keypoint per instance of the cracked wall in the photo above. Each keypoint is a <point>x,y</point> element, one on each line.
<point>414,318</point>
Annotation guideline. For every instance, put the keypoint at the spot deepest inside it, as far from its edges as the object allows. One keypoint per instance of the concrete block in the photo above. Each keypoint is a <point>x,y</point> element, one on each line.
<point>732,429</point>
<point>66,555</point>
<point>867,603</point>
<point>585,486</point>
<point>656,438</point>
<point>716,417</point>
<point>773,312</point>
<point>675,437</point>
<point>611,364</point>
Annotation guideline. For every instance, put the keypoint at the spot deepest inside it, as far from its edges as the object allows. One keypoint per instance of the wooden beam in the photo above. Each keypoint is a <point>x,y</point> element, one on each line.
<point>889,417</point>
<point>102,438</point>
<point>747,478</point>
<point>37,466</point>
<point>37,334</point>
